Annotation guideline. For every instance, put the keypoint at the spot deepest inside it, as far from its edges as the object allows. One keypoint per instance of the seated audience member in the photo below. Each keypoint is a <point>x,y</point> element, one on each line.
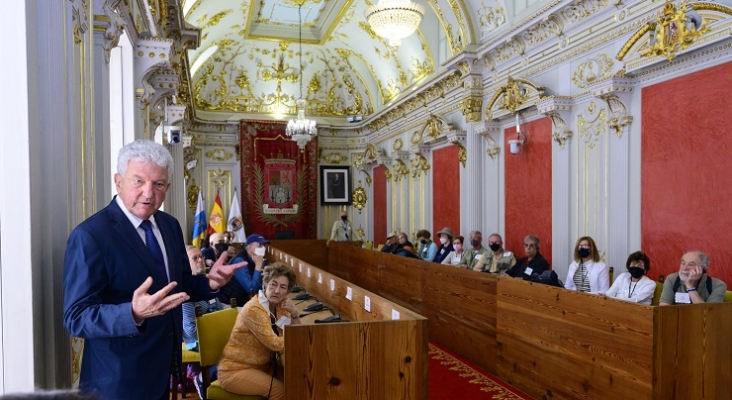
<point>634,285</point>
<point>232,252</point>
<point>498,261</point>
<point>407,250</point>
<point>587,273</point>
<point>474,255</point>
<point>401,241</point>
<point>212,253</point>
<point>246,365</point>
<point>445,236</point>
<point>531,265</point>
<point>391,243</point>
<point>253,253</point>
<point>692,285</point>
<point>190,333</point>
<point>456,255</point>
<point>427,249</point>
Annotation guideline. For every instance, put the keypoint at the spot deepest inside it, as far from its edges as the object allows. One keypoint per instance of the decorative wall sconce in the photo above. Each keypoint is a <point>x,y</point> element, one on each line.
<point>521,138</point>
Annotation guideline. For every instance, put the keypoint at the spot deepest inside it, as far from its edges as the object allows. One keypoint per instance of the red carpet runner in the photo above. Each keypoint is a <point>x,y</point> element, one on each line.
<point>453,378</point>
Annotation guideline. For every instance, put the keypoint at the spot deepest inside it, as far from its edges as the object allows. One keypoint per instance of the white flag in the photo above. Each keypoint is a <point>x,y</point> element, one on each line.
<point>236,224</point>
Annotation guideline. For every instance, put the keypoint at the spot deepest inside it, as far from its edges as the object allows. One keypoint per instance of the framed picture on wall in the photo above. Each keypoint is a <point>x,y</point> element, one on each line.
<point>335,186</point>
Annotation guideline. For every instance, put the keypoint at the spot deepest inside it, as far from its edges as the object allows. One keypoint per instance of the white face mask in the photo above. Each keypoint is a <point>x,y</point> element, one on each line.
<point>259,251</point>
<point>443,240</point>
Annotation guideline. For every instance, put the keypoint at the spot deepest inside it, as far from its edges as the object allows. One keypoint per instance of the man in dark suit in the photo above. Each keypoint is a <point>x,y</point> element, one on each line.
<point>126,273</point>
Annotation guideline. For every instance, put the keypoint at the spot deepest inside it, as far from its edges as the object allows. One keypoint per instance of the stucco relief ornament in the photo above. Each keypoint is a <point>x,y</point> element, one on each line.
<point>675,30</point>
<point>359,198</point>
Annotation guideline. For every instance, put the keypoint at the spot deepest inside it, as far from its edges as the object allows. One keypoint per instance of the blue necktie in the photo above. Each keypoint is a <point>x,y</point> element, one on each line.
<point>154,247</point>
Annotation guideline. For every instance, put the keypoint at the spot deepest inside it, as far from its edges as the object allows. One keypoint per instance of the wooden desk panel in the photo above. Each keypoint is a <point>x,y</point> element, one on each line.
<point>566,344</point>
<point>459,304</point>
<point>371,357</point>
<point>693,352</point>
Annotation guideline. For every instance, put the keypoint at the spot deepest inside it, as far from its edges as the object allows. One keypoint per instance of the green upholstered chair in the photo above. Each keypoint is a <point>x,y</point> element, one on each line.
<point>214,330</point>
<point>658,291</point>
<point>728,296</point>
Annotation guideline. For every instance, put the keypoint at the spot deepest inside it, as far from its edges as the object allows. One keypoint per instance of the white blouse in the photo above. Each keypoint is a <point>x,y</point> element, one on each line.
<point>638,292</point>
<point>597,273</point>
<point>453,258</point>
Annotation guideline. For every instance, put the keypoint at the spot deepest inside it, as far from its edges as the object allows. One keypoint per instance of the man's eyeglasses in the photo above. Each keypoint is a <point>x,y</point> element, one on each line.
<point>197,258</point>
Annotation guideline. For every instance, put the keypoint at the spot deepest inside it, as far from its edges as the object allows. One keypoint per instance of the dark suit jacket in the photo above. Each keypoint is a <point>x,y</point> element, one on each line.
<point>105,261</point>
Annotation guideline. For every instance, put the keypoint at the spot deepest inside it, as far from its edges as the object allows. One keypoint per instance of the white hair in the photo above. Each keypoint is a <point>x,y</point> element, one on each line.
<point>145,151</point>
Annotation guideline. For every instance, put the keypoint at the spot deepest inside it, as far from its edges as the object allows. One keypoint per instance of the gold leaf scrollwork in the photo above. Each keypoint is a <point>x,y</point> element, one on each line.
<point>359,198</point>
<point>387,174</point>
<point>592,70</point>
<point>334,158</point>
<point>560,134</point>
<point>419,166</point>
<point>400,170</point>
<point>219,154</point>
<point>462,153</point>
<point>368,178</point>
<point>493,149</point>
<point>471,108</point>
<point>192,195</point>
<point>398,144</point>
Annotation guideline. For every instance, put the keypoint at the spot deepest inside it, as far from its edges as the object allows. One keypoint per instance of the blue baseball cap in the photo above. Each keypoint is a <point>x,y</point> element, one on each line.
<point>256,238</point>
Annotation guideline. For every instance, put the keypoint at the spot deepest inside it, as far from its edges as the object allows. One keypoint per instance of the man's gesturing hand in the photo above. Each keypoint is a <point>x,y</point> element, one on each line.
<point>146,305</point>
<point>221,272</point>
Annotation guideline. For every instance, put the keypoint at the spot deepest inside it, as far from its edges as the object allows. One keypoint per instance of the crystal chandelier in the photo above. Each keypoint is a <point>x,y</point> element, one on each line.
<point>394,19</point>
<point>301,129</point>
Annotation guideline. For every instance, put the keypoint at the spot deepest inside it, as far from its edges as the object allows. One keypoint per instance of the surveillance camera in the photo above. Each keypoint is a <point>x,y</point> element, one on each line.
<point>174,136</point>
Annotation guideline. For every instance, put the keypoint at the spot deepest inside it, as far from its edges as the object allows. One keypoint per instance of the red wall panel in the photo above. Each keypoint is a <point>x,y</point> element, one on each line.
<point>446,190</point>
<point>380,225</point>
<point>529,189</point>
<point>686,174</point>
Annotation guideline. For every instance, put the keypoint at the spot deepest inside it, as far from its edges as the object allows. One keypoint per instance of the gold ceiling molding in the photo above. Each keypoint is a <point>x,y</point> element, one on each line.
<point>491,18</point>
<point>592,70</point>
<point>398,144</point>
<point>420,100</point>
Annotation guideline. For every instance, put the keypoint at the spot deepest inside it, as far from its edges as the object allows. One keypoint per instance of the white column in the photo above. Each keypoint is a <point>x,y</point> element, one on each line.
<point>471,207</point>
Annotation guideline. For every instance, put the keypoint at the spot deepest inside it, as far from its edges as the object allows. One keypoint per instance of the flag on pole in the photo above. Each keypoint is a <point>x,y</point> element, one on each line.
<point>216,223</point>
<point>236,224</point>
<point>199,222</point>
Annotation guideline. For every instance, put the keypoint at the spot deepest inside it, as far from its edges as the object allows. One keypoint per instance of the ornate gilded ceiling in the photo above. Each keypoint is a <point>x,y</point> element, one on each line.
<point>253,71</point>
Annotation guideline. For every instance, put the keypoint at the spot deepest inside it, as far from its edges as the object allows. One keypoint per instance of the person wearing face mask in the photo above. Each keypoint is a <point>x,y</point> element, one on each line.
<point>445,237</point>
<point>247,362</point>
<point>341,231</point>
<point>474,255</point>
<point>692,285</point>
<point>426,249</point>
<point>533,264</point>
<point>633,285</point>
<point>498,261</point>
<point>456,255</point>
<point>248,280</point>
<point>587,273</point>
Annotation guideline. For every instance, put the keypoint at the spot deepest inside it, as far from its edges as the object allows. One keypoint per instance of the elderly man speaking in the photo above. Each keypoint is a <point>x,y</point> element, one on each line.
<point>126,273</point>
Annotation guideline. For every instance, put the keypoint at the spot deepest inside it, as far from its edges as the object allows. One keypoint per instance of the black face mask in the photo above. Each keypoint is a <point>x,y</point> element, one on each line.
<point>495,246</point>
<point>475,243</point>
<point>584,253</point>
<point>423,241</point>
<point>636,272</point>
<point>343,217</point>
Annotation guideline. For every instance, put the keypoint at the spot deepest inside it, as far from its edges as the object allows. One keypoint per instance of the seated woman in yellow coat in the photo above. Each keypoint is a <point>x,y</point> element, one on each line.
<point>248,363</point>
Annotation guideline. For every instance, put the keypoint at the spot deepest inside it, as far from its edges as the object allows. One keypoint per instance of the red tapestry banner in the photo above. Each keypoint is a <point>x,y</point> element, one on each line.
<point>279,182</point>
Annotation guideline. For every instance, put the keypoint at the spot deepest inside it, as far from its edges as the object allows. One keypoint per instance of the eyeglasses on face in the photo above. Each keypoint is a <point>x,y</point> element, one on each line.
<point>197,257</point>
